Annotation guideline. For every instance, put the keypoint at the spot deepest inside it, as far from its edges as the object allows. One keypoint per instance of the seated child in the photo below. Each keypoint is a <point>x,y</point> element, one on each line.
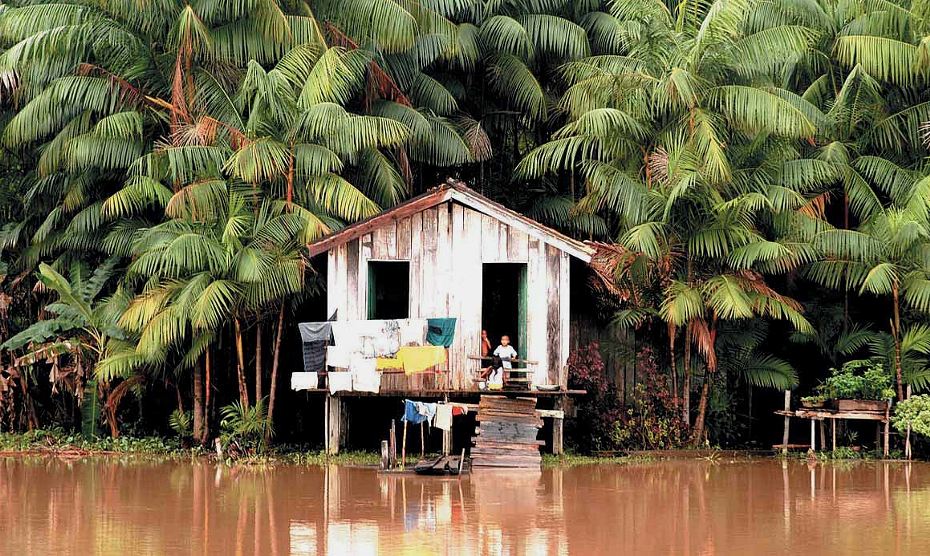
<point>506,353</point>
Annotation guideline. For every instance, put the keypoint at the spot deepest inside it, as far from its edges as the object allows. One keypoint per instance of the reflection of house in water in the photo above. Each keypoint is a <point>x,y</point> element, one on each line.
<point>448,254</point>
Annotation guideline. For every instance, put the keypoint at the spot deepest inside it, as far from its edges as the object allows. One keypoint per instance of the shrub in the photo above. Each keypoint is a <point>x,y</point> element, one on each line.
<point>862,379</point>
<point>651,421</point>
<point>242,429</point>
<point>600,409</point>
<point>913,413</point>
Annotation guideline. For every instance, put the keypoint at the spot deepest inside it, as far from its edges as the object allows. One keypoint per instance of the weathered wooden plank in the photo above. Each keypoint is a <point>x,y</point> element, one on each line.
<point>517,245</point>
<point>444,283</point>
<point>416,264</point>
<point>469,285</point>
<point>554,321</point>
<point>364,255</point>
<point>340,283</point>
<point>537,312</point>
<point>390,239</point>
<point>403,239</point>
<point>490,244</point>
<point>457,354</point>
<point>332,302</point>
<point>353,309</point>
<point>429,297</point>
<point>564,315</point>
<point>503,231</point>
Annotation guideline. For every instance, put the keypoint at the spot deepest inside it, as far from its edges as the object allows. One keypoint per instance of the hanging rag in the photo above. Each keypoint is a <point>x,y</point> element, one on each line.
<point>416,359</point>
<point>346,335</point>
<point>443,417</point>
<point>315,331</point>
<point>338,356</point>
<point>364,376</point>
<point>384,363</point>
<point>440,332</point>
<point>314,336</point>
<point>459,409</point>
<point>427,410</point>
<point>412,413</point>
<point>339,382</point>
<point>412,332</point>
<point>304,381</point>
<point>314,356</point>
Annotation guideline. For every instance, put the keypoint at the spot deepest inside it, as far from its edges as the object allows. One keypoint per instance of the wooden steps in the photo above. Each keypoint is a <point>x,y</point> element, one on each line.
<point>506,435</point>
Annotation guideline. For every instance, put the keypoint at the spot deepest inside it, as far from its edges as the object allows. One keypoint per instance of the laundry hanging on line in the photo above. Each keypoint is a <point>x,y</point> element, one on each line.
<point>416,359</point>
<point>440,331</point>
<point>418,412</point>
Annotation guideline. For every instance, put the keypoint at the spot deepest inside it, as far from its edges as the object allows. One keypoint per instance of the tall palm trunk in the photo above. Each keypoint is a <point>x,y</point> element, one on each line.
<point>896,334</point>
<point>686,381</point>
<point>697,435</point>
<point>240,365</point>
<point>208,393</point>
<point>258,361</point>
<point>673,362</point>
<point>273,387</point>
<point>199,429</point>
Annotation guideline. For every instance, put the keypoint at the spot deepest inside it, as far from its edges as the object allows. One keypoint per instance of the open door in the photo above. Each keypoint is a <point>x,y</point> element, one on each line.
<point>503,304</point>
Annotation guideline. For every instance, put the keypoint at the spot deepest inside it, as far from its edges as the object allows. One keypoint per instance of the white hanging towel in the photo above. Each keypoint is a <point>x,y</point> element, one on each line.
<point>304,381</point>
<point>443,419</point>
<point>338,356</point>
<point>365,377</point>
<point>339,382</point>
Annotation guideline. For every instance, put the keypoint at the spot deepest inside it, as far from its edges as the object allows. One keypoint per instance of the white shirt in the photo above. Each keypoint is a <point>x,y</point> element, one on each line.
<point>506,353</point>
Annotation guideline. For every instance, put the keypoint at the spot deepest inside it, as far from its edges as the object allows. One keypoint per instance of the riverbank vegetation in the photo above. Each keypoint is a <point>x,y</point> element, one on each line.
<point>753,171</point>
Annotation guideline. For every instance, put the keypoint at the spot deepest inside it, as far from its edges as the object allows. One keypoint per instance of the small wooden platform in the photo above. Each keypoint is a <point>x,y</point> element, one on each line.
<point>507,433</point>
<point>882,420</point>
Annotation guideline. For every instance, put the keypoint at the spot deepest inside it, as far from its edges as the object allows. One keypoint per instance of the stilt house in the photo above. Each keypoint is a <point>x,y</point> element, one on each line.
<point>452,252</point>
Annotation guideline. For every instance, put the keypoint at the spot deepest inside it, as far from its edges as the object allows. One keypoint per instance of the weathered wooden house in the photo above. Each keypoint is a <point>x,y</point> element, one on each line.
<point>452,252</point>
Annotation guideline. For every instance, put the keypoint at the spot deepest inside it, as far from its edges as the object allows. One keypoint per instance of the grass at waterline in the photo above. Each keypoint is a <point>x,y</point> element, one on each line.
<point>56,441</point>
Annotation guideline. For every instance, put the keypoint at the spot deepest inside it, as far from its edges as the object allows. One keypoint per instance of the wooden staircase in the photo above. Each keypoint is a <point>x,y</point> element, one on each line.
<point>506,435</point>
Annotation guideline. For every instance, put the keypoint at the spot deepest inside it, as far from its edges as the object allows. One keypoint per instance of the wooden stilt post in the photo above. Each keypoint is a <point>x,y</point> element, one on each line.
<point>447,435</point>
<point>422,440</point>
<point>403,448</point>
<point>326,435</point>
<point>823,435</point>
<point>833,425</point>
<point>784,437</point>
<point>558,428</point>
<point>813,437</point>
<point>887,427</point>
<point>336,417</point>
<point>393,441</point>
<point>385,454</point>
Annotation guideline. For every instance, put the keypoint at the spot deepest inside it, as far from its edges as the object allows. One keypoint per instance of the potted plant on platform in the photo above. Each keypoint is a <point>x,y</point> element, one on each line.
<point>860,385</point>
<point>814,402</point>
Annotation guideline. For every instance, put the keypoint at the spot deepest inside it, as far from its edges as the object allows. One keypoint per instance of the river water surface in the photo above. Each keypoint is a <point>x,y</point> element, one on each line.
<point>112,506</point>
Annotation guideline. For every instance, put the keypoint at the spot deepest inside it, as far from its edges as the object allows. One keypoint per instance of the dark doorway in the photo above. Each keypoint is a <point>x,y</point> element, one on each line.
<point>503,303</point>
<point>388,289</point>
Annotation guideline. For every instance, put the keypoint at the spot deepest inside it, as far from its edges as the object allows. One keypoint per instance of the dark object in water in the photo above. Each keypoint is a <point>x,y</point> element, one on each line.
<point>443,465</point>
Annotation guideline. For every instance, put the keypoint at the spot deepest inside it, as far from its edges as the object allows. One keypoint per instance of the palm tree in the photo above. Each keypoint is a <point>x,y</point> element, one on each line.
<point>886,257</point>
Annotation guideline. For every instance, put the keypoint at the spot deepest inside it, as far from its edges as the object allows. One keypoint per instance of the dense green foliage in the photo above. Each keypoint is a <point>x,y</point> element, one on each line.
<point>753,171</point>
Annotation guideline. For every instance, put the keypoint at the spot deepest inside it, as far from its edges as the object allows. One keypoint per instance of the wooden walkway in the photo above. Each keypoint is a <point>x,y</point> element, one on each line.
<point>507,433</point>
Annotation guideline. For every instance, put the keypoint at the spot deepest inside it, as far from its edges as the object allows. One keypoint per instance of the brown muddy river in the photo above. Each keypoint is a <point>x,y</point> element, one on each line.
<point>108,506</point>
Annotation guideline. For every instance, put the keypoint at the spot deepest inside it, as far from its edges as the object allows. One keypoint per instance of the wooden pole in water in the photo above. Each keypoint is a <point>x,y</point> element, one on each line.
<point>422,441</point>
<point>784,439</point>
<point>833,421</point>
<point>385,454</point>
<point>403,448</point>
<point>393,439</point>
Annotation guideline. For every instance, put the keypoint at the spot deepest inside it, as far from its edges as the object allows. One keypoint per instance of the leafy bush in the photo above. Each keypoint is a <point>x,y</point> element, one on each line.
<point>913,413</point>
<point>651,421</point>
<point>181,422</point>
<point>600,409</point>
<point>862,379</point>
<point>243,428</point>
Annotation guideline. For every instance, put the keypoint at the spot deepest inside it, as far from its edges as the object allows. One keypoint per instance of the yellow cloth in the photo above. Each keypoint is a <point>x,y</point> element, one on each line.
<point>417,359</point>
<point>382,363</point>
